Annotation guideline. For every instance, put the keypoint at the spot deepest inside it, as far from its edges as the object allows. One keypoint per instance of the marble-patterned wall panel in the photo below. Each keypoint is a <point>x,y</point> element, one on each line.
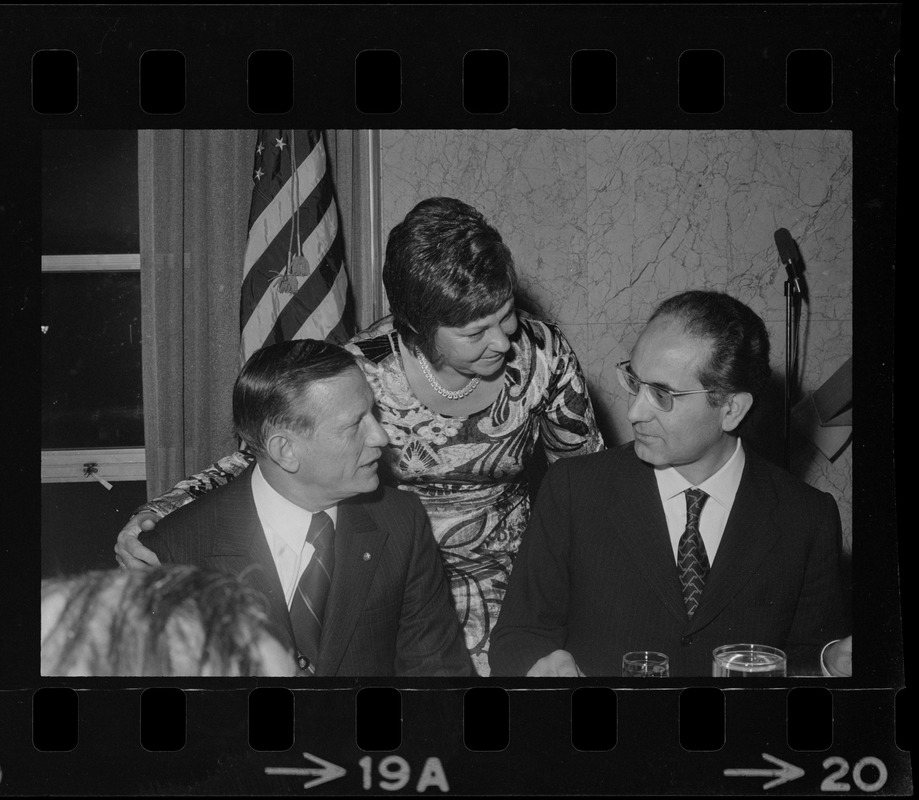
<point>609,344</point>
<point>672,210</point>
<point>528,184</point>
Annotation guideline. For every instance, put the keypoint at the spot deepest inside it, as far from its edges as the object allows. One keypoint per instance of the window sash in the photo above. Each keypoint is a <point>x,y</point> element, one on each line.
<point>118,262</point>
<point>117,464</point>
<point>112,464</point>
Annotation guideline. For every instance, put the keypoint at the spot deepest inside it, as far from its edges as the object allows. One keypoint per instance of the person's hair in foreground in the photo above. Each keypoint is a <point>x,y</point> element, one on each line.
<point>268,393</point>
<point>175,620</point>
<point>739,359</point>
<point>445,266</point>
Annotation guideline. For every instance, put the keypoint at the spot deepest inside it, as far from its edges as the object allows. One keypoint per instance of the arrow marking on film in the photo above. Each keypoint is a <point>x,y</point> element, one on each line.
<point>327,771</point>
<point>785,772</point>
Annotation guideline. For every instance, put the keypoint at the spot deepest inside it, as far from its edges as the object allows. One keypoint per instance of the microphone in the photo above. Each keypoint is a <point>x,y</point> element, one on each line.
<point>791,258</point>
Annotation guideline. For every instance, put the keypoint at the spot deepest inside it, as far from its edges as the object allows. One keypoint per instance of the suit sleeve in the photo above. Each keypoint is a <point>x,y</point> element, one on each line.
<point>430,640</point>
<point>821,614</point>
<point>534,615</point>
<point>170,541</point>
<point>159,544</point>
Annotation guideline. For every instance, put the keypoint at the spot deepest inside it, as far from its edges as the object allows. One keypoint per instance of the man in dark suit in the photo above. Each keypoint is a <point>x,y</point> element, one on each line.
<point>681,540</point>
<point>350,568</point>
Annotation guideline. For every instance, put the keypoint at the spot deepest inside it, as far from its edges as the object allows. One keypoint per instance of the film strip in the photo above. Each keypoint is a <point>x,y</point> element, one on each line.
<point>676,67</point>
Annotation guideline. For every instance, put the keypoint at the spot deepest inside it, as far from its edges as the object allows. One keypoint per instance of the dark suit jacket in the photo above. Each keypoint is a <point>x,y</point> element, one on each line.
<point>388,613</point>
<point>596,574</point>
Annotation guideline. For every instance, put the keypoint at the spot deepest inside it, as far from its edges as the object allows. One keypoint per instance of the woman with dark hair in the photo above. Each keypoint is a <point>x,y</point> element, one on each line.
<point>467,388</point>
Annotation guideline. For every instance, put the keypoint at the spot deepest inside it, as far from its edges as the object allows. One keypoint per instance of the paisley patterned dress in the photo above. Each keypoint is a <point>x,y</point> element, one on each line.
<point>470,473</point>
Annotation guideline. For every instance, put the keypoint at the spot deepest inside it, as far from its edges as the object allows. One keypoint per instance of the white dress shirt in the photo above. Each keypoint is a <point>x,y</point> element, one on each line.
<point>285,525</point>
<point>721,489</point>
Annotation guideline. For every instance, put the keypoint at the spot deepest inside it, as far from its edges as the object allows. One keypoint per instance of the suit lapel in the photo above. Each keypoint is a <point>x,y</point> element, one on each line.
<point>358,552</point>
<point>240,547</point>
<point>748,537</point>
<point>642,527</point>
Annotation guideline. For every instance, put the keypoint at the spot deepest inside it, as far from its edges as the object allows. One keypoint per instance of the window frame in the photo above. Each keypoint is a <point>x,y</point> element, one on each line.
<point>111,464</point>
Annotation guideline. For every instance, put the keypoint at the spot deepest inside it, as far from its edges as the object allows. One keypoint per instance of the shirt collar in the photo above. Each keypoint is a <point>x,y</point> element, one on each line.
<point>286,519</point>
<point>721,487</point>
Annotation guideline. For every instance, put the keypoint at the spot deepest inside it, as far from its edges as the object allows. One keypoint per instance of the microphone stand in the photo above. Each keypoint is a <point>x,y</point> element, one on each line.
<point>792,317</point>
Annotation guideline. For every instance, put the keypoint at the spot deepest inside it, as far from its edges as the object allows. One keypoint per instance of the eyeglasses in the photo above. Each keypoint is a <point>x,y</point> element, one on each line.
<point>661,398</point>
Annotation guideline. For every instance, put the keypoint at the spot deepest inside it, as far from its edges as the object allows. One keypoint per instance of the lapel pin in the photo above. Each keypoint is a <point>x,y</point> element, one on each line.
<point>366,556</point>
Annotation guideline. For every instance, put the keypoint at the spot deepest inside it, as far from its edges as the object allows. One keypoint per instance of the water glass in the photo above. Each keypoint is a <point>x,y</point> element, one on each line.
<point>645,664</point>
<point>748,661</point>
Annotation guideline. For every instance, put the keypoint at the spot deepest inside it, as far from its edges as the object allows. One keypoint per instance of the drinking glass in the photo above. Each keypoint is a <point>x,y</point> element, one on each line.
<point>748,661</point>
<point>645,664</point>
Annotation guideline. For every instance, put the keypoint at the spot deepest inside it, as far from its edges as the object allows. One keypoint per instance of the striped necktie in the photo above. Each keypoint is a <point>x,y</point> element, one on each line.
<point>692,558</point>
<point>308,604</point>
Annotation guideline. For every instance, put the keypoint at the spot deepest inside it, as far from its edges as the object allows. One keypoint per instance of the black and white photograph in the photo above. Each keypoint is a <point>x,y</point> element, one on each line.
<point>469,447</point>
<point>497,356</point>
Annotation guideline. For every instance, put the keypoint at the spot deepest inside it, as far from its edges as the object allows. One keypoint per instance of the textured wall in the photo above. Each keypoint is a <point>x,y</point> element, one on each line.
<point>604,224</point>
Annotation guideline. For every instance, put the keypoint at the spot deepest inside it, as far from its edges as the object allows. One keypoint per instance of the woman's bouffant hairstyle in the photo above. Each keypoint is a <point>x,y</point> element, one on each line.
<point>269,392</point>
<point>445,266</point>
<point>739,359</point>
<point>171,620</point>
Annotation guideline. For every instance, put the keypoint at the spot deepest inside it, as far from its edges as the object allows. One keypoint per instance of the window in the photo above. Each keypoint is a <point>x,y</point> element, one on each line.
<point>92,396</point>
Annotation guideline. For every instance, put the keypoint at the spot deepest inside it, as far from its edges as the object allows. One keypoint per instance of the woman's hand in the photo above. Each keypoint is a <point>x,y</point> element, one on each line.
<point>129,552</point>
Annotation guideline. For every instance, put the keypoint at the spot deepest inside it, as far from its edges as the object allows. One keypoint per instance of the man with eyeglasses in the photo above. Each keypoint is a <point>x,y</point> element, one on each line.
<point>682,540</point>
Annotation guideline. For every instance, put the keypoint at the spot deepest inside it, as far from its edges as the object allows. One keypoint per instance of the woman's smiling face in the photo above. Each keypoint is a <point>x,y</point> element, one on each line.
<point>479,347</point>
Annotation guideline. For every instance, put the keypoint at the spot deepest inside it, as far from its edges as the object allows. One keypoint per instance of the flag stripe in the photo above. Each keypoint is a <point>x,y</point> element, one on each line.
<point>273,260</point>
<point>340,333</point>
<point>322,306</point>
<point>275,217</point>
<point>305,301</point>
<point>324,320</point>
<point>270,304</point>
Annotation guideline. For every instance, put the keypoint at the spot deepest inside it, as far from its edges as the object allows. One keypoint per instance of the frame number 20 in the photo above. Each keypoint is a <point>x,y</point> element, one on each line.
<point>832,783</point>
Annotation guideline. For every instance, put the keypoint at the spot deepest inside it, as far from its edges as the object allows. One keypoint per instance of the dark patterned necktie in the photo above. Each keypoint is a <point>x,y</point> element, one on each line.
<point>692,558</point>
<point>308,604</point>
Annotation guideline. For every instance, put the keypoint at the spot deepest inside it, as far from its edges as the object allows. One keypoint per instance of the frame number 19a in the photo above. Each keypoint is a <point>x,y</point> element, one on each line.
<point>394,773</point>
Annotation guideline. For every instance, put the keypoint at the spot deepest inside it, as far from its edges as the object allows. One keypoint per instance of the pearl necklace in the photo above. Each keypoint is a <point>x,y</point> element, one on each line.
<point>468,389</point>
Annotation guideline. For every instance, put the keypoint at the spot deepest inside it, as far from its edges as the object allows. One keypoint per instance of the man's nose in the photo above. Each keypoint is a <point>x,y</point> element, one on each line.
<point>640,408</point>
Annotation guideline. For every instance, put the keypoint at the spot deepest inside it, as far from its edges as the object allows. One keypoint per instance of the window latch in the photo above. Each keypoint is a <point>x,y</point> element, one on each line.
<point>91,470</point>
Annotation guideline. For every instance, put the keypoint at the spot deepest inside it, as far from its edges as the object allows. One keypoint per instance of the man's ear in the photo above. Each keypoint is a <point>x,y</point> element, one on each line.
<point>735,409</point>
<point>280,449</point>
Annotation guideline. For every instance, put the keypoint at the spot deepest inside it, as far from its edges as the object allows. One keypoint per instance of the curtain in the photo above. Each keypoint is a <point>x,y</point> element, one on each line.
<point>195,190</point>
<point>354,160</point>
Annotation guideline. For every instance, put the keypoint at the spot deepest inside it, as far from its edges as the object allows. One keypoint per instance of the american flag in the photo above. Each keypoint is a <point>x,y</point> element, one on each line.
<point>294,280</point>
